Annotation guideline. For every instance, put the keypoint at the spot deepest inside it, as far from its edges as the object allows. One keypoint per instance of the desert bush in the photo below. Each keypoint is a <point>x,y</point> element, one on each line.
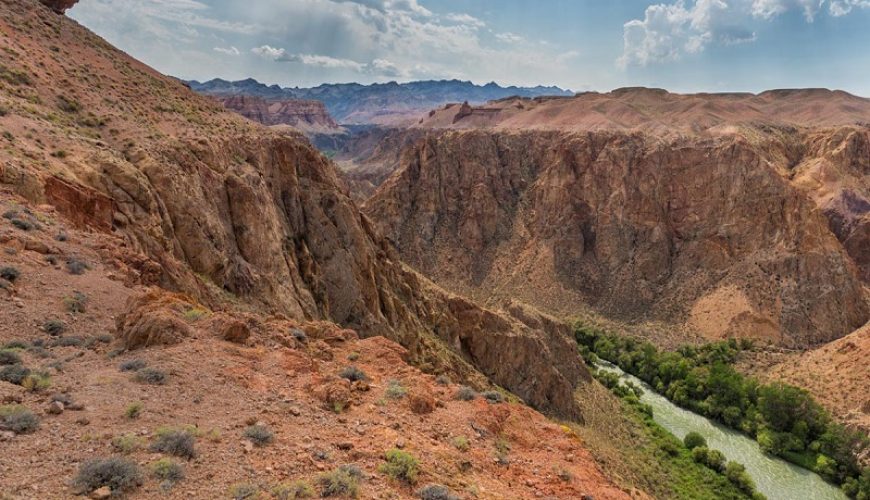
<point>260,435</point>
<point>167,471</point>
<point>74,265</point>
<point>395,389</point>
<point>353,374</point>
<point>9,357</point>
<point>18,419</point>
<point>132,365</point>
<point>22,224</point>
<point>36,381</point>
<point>299,335</point>
<point>493,397</point>
<point>68,105</point>
<point>442,380</point>
<point>71,341</point>
<point>338,483</point>
<point>244,491</point>
<point>54,327</point>
<point>61,236</point>
<point>14,374</point>
<point>10,273</point>
<point>76,303</point>
<point>133,410</point>
<point>465,393</point>
<point>436,492</point>
<point>694,440</point>
<point>461,443</point>
<point>175,441</point>
<point>18,344</point>
<point>119,474</point>
<point>127,443</point>
<point>292,490</point>
<point>60,397</point>
<point>151,376</point>
<point>400,465</point>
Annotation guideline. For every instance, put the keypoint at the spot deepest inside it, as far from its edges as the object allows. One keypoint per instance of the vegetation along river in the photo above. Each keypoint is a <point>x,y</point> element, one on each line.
<point>775,478</point>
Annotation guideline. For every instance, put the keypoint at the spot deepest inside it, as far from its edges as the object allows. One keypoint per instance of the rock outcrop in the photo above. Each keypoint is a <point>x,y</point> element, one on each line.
<point>59,6</point>
<point>703,230</point>
<point>237,216</point>
<point>304,115</point>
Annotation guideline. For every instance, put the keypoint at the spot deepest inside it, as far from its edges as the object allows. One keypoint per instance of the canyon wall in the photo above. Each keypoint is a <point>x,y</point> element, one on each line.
<point>707,231</point>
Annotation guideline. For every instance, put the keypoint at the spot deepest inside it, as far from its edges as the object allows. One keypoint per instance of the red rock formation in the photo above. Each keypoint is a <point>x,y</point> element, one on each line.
<point>302,114</point>
<point>59,6</point>
<point>706,231</point>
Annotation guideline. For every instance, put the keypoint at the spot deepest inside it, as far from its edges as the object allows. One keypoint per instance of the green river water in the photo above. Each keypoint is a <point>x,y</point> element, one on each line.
<point>775,478</point>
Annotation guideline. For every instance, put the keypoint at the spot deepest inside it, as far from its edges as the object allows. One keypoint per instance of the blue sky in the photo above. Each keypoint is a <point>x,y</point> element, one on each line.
<point>681,45</point>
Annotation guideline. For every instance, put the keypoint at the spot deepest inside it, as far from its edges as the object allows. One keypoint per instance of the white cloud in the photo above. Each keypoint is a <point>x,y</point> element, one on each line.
<point>509,37</point>
<point>230,51</point>
<point>466,19</point>
<point>669,31</point>
<point>321,61</point>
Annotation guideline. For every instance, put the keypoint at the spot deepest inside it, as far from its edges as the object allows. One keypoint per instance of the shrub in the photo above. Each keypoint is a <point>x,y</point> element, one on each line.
<point>76,303</point>
<point>465,393</point>
<point>292,490</point>
<point>260,435</point>
<point>22,224</point>
<point>127,443</point>
<point>353,374</point>
<point>17,344</point>
<point>68,105</point>
<point>461,443</point>
<point>36,382</point>
<point>61,236</point>
<point>18,419</point>
<point>244,491</point>
<point>338,483</point>
<point>174,441</point>
<point>9,357</point>
<point>119,474</point>
<point>14,374</point>
<point>151,376</point>
<point>400,465</point>
<point>67,342</point>
<point>133,410</point>
<point>76,266</point>
<point>353,356</point>
<point>713,459</point>
<point>132,365</point>
<point>493,397</point>
<point>395,390</point>
<point>10,273</point>
<point>694,440</point>
<point>442,380</point>
<point>167,471</point>
<point>54,327</point>
<point>299,335</point>
<point>436,492</point>
<point>736,473</point>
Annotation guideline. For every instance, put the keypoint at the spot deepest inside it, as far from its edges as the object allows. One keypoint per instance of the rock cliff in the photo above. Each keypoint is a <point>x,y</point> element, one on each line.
<point>304,115</point>
<point>706,229</point>
<point>219,208</point>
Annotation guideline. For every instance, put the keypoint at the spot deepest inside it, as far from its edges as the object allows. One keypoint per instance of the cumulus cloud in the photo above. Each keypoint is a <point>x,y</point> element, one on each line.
<point>465,19</point>
<point>321,61</point>
<point>668,31</point>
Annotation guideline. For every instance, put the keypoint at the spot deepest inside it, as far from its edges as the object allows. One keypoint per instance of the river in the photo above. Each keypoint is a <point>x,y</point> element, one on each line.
<point>774,477</point>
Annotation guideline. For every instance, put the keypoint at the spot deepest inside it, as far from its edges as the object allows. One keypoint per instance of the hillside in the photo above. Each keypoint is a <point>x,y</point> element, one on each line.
<point>730,214</point>
<point>380,103</point>
<point>142,221</point>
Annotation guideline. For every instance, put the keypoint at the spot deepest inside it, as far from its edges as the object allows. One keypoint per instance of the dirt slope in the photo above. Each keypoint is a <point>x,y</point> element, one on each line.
<point>226,370</point>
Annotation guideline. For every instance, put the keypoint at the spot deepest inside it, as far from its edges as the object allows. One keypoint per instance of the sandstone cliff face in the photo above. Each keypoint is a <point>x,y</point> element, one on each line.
<point>302,114</point>
<point>702,230</point>
<point>236,216</point>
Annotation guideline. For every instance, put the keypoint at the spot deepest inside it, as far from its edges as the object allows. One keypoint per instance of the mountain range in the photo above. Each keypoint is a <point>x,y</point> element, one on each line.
<point>380,103</point>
